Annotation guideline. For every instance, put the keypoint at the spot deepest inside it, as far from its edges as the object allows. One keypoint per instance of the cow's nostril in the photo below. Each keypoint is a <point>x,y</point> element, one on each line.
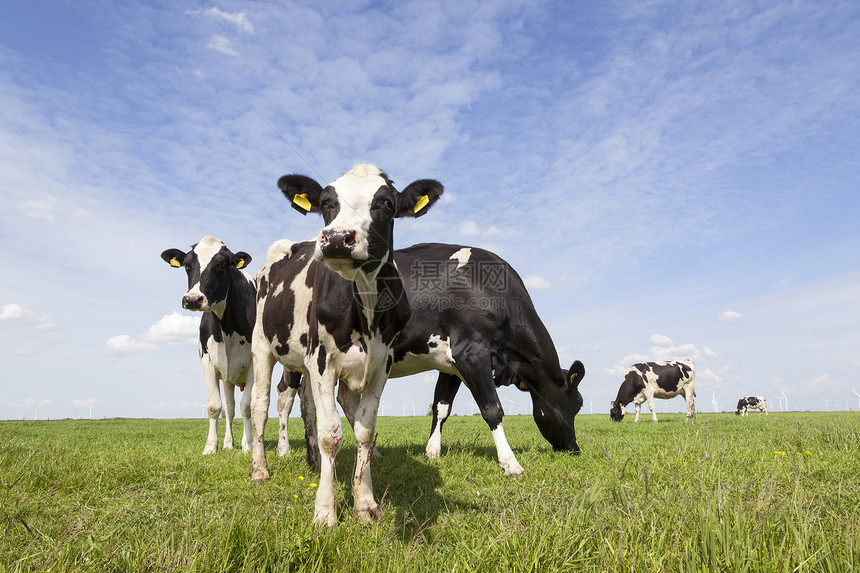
<point>192,302</point>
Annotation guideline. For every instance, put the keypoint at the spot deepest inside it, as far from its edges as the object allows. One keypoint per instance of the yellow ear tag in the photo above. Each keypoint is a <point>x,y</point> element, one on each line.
<point>302,201</point>
<point>572,376</point>
<point>422,202</point>
<point>174,263</point>
<point>240,264</point>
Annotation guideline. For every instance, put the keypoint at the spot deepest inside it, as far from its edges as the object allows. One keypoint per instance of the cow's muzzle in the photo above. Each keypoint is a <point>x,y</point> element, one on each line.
<point>337,243</point>
<point>193,302</point>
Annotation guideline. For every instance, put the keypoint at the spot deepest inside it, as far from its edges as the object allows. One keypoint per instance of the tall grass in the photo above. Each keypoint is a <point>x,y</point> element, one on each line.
<point>775,493</point>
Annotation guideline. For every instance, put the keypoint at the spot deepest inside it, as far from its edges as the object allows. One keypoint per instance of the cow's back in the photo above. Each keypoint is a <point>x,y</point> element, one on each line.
<point>466,291</point>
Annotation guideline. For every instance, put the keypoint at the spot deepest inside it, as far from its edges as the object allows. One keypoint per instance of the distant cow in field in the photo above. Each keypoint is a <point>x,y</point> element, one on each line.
<point>649,380</point>
<point>226,294</point>
<point>751,403</point>
<point>331,309</point>
<point>473,321</point>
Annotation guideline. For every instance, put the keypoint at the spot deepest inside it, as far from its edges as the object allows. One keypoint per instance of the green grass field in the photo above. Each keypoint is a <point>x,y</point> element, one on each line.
<point>775,493</point>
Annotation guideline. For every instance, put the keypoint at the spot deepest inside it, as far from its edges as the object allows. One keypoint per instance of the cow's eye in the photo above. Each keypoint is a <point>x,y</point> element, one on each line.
<point>387,203</point>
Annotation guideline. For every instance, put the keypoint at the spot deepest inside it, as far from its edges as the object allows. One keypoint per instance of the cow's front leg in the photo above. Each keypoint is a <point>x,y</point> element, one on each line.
<point>330,433</point>
<point>637,407</point>
<point>650,398</point>
<point>264,363</point>
<point>349,400</point>
<point>443,399</point>
<point>214,407</point>
<point>365,438</point>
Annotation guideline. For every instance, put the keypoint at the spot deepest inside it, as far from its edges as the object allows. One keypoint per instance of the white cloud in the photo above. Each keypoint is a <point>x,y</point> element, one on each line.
<point>536,282</point>
<point>675,352</point>
<point>731,317</point>
<point>174,328</point>
<point>40,209</point>
<point>124,344</point>
<point>222,44</point>
<point>31,403</point>
<point>81,403</point>
<point>708,353</point>
<point>661,339</point>
<point>238,19</point>
<point>14,312</point>
<point>471,229</point>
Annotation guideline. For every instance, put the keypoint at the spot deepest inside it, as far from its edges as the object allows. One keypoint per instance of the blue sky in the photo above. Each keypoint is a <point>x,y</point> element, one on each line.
<point>672,179</point>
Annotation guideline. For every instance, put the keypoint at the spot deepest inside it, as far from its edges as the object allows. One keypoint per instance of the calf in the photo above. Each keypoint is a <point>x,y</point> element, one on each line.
<point>649,380</point>
<point>751,403</point>
<point>225,294</point>
<point>337,325</point>
<point>474,322</point>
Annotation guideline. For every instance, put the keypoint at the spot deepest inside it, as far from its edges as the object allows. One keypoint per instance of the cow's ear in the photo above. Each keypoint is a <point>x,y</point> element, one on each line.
<point>302,192</point>
<point>418,197</point>
<point>173,257</point>
<point>240,260</point>
<point>576,373</point>
<point>612,404</point>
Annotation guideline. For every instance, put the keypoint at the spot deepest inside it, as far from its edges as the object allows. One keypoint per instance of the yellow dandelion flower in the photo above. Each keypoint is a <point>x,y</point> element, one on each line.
<point>313,485</point>
<point>295,497</point>
<point>808,453</point>
<point>780,453</point>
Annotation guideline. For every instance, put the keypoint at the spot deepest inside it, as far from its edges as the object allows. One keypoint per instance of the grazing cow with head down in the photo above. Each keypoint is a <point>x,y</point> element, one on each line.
<point>474,322</point>
<point>649,380</point>
<point>331,309</point>
<point>225,293</point>
<point>751,403</point>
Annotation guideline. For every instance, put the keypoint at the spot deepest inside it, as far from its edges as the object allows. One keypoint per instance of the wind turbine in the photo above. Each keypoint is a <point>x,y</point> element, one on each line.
<point>590,407</point>
<point>827,405</point>
<point>784,397</point>
<point>382,408</point>
<point>714,402</point>
<point>91,411</point>
<point>858,398</point>
<point>510,405</point>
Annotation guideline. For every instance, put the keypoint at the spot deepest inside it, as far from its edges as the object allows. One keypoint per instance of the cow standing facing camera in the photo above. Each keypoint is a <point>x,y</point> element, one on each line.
<point>331,309</point>
<point>220,288</point>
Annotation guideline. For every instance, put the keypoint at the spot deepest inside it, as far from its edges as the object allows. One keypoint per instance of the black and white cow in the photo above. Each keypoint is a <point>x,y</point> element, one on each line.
<point>226,294</point>
<point>474,322</point>
<point>649,380</point>
<point>331,309</point>
<point>751,403</point>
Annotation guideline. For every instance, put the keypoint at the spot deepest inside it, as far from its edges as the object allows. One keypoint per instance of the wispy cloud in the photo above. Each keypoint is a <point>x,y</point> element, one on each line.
<point>40,208</point>
<point>238,19</point>
<point>731,317</point>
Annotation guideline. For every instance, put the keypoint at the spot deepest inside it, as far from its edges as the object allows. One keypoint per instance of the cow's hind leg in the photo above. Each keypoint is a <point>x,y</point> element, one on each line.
<point>443,400</point>
<point>245,411</point>
<point>287,389</point>
<point>229,413</point>
<point>309,417</point>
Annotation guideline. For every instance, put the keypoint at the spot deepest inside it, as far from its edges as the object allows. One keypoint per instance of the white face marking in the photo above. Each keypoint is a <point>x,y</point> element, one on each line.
<point>355,191</point>
<point>462,256</point>
<point>205,250</point>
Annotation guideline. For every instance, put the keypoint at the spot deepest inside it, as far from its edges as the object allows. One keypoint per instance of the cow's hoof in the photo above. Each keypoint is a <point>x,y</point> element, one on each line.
<point>369,513</point>
<point>514,470</point>
<point>209,450</point>
<point>325,517</point>
<point>259,475</point>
